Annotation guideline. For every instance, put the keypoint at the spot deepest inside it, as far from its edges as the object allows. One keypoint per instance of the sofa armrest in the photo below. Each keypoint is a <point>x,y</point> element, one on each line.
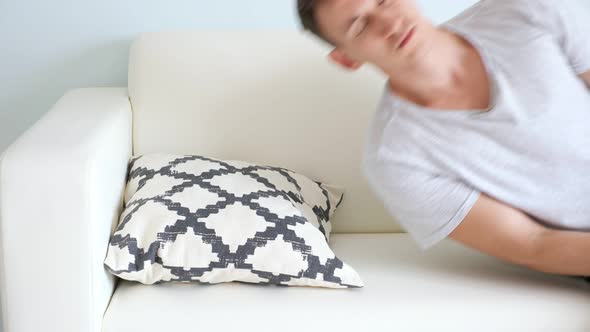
<point>62,185</point>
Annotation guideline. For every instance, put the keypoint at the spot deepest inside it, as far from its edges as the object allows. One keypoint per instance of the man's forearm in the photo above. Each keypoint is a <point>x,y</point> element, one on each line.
<point>563,252</point>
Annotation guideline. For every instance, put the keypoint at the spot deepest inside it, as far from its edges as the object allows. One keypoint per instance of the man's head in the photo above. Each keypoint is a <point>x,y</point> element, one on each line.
<point>374,31</point>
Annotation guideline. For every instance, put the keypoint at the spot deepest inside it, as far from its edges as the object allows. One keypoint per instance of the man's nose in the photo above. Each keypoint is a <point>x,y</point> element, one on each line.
<point>386,25</point>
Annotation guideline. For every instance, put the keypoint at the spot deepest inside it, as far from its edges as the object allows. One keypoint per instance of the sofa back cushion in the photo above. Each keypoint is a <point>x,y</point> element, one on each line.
<point>269,97</point>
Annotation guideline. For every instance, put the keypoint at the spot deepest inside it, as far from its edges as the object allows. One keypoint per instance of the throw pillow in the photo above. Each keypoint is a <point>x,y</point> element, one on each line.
<point>192,218</point>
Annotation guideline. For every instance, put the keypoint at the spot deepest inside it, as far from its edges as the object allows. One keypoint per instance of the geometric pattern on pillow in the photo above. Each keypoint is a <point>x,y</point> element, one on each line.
<point>189,218</point>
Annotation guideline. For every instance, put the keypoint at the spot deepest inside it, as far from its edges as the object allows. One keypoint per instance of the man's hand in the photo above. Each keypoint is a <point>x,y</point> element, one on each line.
<point>504,232</point>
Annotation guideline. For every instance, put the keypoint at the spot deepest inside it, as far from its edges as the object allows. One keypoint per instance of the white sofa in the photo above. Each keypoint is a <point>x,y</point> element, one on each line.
<point>269,97</point>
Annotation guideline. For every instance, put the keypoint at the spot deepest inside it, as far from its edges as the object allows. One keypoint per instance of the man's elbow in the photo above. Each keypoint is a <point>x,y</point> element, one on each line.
<point>533,254</point>
<point>561,252</point>
<point>586,78</point>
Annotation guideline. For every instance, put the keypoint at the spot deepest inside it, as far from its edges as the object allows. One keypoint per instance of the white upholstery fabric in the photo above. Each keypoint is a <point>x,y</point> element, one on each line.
<point>226,95</point>
<point>449,289</point>
<point>61,188</point>
<point>265,96</point>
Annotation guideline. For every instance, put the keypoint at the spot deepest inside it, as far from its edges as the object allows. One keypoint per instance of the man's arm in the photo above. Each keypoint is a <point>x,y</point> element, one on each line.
<point>504,232</point>
<point>586,78</point>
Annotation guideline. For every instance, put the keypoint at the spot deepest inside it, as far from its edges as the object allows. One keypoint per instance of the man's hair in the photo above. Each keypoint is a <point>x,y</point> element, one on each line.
<point>306,8</point>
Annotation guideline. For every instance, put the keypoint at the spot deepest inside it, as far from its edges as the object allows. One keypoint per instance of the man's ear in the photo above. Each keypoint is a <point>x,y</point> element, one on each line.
<point>344,60</point>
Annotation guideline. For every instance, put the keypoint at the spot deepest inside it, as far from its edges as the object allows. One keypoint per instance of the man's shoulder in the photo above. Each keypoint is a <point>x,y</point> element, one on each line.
<point>515,5</point>
<point>486,12</point>
<point>394,136</point>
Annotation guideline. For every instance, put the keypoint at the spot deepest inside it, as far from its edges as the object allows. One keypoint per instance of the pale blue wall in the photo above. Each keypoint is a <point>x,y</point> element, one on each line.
<point>49,47</point>
<point>52,46</point>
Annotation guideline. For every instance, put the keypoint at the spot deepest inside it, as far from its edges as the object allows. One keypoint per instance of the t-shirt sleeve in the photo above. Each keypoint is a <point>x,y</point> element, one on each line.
<point>427,206</point>
<point>569,21</point>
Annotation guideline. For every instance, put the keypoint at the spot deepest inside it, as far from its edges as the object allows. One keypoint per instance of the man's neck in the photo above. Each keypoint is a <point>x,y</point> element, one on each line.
<point>440,71</point>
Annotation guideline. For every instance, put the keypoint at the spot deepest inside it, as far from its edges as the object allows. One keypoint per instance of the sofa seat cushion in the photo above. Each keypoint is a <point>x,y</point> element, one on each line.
<point>448,288</point>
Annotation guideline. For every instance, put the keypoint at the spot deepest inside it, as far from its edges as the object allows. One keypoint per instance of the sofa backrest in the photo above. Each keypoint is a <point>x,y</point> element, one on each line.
<point>269,97</point>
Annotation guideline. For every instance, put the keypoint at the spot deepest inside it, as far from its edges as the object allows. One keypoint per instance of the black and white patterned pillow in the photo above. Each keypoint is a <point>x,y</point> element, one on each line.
<point>192,218</point>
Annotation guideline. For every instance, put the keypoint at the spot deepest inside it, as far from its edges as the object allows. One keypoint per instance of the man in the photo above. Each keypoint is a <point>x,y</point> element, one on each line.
<point>483,131</point>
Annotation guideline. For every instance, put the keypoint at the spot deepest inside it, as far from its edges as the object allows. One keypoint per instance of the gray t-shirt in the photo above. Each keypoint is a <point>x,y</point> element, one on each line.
<point>531,149</point>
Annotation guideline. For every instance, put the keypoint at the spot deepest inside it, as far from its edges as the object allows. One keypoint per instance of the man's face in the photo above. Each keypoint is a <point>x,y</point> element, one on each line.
<point>382,32</point>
